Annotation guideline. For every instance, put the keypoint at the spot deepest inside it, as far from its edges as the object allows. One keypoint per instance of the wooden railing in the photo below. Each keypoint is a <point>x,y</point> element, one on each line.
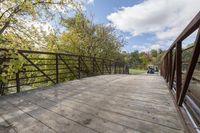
<point>180,72</point>
<point>22,69</point>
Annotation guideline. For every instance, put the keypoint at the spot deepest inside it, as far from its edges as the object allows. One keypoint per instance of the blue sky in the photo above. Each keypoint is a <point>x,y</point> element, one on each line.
<point>149,24</point>
<point>100,9</point>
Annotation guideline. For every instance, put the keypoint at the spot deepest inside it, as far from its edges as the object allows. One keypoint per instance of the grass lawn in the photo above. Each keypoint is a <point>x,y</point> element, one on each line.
<point>137,71</point>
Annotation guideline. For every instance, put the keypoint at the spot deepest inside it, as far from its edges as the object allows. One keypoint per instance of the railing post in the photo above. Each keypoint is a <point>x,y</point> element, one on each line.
<point>1,82</point>
<point>173,72</point>
<point>18,82</point>
<point>79,67</point>
<point>102,66</point>
<point>110,67</point>
<point>167,67</point>
<point>120,68</point>
<point>169,72</point>
<point>178,69</point>
<point>57,71</point>
<point>115,68</point>
<point>170,66</point>
<point>128,70</point>
<point>93,66</point>
<point>123,69</point>
<point>192,65</point>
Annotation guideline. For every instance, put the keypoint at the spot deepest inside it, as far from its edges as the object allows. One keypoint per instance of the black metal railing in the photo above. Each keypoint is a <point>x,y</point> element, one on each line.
<point>23,70</point>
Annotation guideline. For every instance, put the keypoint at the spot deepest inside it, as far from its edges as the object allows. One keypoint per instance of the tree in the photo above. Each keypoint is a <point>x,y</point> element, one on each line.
<point>86,38</point>
<point>140,60</point>
<point>154,53</point>
<point>19,20</point>
<point>134,59</point>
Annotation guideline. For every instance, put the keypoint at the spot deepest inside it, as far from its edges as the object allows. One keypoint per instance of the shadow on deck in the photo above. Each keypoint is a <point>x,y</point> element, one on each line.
<point>102,104</point>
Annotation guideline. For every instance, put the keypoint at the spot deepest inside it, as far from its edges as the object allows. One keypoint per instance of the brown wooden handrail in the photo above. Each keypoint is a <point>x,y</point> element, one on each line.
<point>171,64</point>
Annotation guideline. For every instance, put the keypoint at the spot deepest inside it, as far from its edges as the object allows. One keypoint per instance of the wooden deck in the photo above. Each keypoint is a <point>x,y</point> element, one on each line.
<point>101,104</point>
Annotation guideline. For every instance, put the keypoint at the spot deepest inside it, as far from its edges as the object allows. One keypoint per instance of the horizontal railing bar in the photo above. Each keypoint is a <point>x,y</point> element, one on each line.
<point>196,79</point>
<point>52,53</point>
<point>7,87</point>
<point>36,76</point>
<point>192,26</point>
<point>37,70</point>
<point>42,59</point>
<point>188,48</point>
<point>36,82</point>
<point>40,65</point>
<point>65,73</point>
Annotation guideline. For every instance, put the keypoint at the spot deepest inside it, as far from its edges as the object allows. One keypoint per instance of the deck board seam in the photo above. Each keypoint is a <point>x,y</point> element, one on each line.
<point>93,91</point>
<point>67,95</point>
<point>92,115</point>
<point>115,113</point>
<point>32,117</point>
<point>131,99</point>
<point>128,116</point>
<point>57,114</point>
<point>82,100</point>
<point>13,127</point>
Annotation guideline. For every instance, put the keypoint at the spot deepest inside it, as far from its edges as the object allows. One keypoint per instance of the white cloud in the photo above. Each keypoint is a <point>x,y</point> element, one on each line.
<point>163,18</point>
<point>139,47</point>
<point>90,1</point>
<point>128,37</point>
<point>154,45</point>
<point>85,1</point>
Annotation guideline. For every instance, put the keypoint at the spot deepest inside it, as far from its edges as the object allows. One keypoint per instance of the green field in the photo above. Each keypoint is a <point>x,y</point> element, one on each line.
<point>137,71</point>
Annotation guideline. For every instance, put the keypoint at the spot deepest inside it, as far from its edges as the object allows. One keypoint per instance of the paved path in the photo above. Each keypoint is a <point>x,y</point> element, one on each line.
<point>101,104</point>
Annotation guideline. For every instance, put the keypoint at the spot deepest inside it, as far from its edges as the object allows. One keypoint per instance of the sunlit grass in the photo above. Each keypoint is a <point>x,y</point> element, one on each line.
<point>137,71</point>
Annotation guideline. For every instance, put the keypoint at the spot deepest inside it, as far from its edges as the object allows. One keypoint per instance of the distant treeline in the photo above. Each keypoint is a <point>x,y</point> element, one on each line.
<point>140,60</point>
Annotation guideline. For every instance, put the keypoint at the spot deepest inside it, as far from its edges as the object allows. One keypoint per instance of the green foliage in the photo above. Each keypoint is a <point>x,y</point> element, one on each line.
<point>85,38</point>
<point>17,16</point>
<point>134,59</point>
<point>154,53</point>
<point>13,66</point>
<point>81,37</point>
<point>140,60</point>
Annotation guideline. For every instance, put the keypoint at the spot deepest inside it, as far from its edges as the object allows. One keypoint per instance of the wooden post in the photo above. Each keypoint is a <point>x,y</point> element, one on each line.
<point>115,68</point>
<point>123,69</point>
<point>170,66</point>
<point>102,66</point>
<point>110,67</point>
<point>173,73</point>
<point>167,67</point>
<point>195,56</point>
<point>178,69</point>
<point>93,66</point>
<point>1,82</point>
<point>17,82</point>
<point>57,72</point>
<point>120,68</point>
<point>79,67</point>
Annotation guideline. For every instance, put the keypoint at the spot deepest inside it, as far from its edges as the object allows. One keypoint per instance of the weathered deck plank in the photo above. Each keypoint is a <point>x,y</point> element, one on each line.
<point>104,104</point>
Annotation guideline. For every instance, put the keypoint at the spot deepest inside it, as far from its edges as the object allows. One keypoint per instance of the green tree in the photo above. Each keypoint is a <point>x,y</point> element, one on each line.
<point>86,38</point>
<point>134,59</point>
<point>154,53</point>
<point>17,16</point>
